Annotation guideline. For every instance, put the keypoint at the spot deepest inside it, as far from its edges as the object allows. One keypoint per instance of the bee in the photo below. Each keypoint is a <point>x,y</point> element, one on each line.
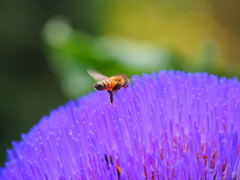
<point>111,84</point>
<point>108,160</point>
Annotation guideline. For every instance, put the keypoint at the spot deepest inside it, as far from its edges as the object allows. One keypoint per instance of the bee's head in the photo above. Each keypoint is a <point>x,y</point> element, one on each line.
<point>126,84</point>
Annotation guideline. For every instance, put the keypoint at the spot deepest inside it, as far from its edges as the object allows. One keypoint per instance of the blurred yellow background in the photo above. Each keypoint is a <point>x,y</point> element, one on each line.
<point>184,26</point>
<point>47,47</point>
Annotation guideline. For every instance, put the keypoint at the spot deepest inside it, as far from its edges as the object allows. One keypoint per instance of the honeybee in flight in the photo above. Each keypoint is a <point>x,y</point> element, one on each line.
<point>111,84</point>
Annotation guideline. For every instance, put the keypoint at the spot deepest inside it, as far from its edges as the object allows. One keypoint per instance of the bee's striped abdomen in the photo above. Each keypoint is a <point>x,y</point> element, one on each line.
<point>105,84</point>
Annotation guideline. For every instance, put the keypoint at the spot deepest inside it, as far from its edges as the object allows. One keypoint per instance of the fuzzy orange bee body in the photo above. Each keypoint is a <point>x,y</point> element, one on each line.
<point>112,84</point>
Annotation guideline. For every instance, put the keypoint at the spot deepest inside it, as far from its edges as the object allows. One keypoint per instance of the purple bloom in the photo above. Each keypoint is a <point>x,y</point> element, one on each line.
<point>169,125</point>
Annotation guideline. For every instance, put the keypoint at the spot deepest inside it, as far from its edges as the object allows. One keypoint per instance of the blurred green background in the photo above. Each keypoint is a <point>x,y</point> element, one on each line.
<point>47,46</point>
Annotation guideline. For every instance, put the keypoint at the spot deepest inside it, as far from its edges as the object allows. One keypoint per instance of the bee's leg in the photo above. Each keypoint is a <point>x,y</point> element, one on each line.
<point>126,86</point>
<point>110,96</point>
<point>105,159</point>
<point>116,88</point>
<point>118,171</point>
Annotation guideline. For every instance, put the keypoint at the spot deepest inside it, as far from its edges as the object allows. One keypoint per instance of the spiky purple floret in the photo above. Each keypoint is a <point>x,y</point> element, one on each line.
<point>169,125</point>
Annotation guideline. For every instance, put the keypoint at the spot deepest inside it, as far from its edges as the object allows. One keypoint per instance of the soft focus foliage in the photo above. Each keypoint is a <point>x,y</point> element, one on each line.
<point>71,55</point>
<point>72,52</point>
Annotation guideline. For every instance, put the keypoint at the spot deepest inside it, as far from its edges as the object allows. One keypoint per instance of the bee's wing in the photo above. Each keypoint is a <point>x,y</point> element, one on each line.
<point>96,75</point>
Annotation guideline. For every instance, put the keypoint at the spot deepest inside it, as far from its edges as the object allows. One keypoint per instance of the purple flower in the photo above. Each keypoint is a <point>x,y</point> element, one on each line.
<point>169,125</point>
